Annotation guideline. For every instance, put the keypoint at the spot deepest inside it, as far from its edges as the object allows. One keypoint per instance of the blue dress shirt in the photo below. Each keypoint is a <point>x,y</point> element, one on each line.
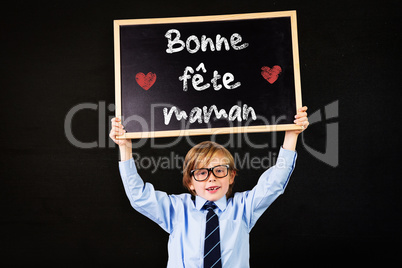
<point>184,219</point>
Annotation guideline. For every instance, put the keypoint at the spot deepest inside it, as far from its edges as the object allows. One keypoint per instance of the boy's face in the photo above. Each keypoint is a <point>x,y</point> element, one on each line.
<point>213,189</point>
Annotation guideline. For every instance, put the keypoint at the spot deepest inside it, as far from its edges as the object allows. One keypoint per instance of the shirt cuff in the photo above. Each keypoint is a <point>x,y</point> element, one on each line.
<point>286,158</point>
<point>127,167</point>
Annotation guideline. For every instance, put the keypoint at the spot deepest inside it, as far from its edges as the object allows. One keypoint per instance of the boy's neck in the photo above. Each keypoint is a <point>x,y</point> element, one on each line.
<point>221,203</point>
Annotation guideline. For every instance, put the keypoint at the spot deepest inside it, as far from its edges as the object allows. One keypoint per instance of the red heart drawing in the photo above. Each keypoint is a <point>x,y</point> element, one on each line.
<point>145,81</point>
<point>271,74</point>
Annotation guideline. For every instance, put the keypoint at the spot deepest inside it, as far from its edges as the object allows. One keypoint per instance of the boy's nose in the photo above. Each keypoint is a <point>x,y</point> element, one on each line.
<point>211,177</point>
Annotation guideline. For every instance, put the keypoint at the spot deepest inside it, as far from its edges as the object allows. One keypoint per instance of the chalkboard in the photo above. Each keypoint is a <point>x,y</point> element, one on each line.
<point>207,75</point>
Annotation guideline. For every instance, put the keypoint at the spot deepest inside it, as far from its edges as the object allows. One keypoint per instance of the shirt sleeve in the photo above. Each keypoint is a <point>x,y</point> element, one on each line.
<point>271,184</point>
<point>155,205</point>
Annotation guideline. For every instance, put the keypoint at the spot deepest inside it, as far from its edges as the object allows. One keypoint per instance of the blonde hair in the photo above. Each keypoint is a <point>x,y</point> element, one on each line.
<point>202,154</point>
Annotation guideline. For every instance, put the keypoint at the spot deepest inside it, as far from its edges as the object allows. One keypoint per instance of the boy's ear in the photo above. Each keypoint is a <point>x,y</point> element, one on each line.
<point>233,175</point>
<point>192,187</point>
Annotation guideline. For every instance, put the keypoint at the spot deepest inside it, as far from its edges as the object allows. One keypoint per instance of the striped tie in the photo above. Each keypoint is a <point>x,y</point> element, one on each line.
<point>212,248</point>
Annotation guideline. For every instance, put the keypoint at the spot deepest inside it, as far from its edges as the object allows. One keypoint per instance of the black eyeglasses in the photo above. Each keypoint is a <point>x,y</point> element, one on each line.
<point>202,174</point>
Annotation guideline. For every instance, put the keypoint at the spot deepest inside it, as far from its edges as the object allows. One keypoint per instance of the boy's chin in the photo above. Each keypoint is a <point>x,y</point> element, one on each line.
<point>213,197</point>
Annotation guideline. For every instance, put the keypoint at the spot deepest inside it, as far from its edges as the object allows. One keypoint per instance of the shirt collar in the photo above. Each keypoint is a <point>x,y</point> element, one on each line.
<point>200,202</point>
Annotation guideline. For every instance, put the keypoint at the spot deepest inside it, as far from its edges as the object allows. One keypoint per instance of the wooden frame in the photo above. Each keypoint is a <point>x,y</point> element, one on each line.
<point>207,131</point>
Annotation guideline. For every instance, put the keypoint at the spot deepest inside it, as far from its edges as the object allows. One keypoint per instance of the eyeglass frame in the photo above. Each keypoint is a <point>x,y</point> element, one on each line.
<point>209,172</point>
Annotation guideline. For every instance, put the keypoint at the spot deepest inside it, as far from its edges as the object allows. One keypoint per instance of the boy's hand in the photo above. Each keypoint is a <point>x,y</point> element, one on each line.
<point>301,120</point>
<point>125,145</point>
<point>117,130</point>
<point>291,135</point>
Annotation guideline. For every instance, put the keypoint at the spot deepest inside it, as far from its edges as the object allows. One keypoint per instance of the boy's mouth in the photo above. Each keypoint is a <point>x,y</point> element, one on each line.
<point>213,188</point>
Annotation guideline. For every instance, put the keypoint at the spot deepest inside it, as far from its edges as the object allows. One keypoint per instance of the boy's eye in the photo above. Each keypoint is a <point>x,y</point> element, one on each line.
<point>219,170</point>
<point>202,172</point>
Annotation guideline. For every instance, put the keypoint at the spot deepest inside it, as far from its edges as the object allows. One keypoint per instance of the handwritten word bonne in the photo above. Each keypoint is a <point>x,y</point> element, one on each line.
<point>177,45</point>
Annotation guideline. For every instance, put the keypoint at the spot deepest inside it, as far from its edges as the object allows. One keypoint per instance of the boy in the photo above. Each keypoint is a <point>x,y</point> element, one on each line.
<point>207,228</point>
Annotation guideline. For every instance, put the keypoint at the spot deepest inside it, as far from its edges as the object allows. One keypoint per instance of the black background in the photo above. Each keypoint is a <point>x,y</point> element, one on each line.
<point>65,206</point>
<point>143,49</point>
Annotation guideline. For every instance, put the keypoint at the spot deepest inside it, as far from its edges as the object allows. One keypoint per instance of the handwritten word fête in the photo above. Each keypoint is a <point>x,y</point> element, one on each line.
<point>198,79</point>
